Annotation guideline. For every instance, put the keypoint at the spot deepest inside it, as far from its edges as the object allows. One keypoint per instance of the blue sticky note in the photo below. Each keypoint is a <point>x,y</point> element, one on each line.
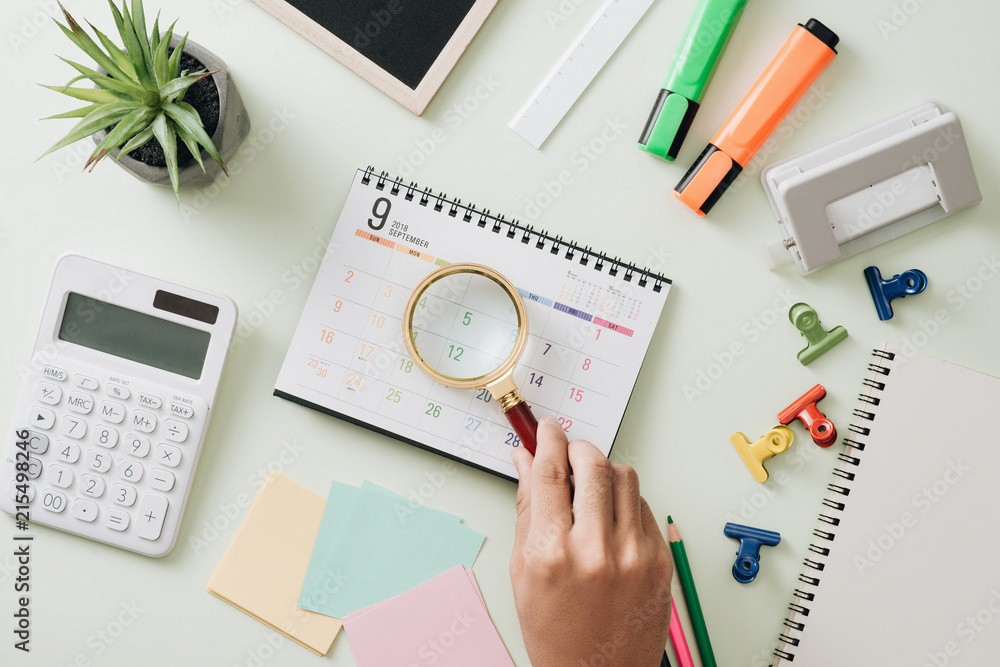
<point>381,546</point>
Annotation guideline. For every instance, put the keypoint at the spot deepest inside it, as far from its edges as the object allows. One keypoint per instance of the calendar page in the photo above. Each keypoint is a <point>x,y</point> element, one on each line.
<point>590,321</point>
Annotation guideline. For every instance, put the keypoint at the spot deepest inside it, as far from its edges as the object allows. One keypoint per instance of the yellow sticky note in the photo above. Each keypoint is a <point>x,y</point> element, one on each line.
<point>262,571</point>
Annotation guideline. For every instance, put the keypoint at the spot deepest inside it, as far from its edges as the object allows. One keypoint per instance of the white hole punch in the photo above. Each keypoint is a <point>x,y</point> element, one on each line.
<point>869,187</point>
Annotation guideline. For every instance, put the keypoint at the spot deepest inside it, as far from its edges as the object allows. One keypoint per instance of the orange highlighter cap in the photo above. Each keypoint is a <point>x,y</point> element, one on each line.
<point>806,53</point>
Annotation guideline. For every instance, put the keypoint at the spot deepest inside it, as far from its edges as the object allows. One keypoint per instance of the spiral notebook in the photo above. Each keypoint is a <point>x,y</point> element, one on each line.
<point>902,568</point>
<point>590,321</point>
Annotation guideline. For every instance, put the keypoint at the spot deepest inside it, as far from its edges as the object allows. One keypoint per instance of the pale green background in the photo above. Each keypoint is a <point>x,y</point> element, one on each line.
<point>315,122</point>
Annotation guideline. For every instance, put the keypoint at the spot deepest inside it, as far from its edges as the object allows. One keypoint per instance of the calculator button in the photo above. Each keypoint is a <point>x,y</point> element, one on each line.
<point>168,456</point>
<point>117,391</point>
<point>112,412</point>
<point>29,491</point>
<point>34,468</point>
<point>149,521</point>
<point>53,373</point>
<point>91,486</point>
<point>161,480</point>
<point>48,393</point>
<point>151,402</point>
<point>42,418</point>
<point>72,427</point>
<point>53,501</point>
<point>116,519</point>
<point>85,382</point>
<point>143,421</point>
<point>59,476</point>
<point>176,431</point>
<point>38,443</point>
<point>178,410</point>
<point>123,495</point>
<point>136,445</point>
<point>105,436</point>
<point>130,471</point>
<point>99,461</point>
<point>67,452</point>
<point>82,403</point>
<point>84,510</point>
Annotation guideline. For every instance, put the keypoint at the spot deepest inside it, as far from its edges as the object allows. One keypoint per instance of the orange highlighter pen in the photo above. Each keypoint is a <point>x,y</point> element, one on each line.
<point>809,49</point>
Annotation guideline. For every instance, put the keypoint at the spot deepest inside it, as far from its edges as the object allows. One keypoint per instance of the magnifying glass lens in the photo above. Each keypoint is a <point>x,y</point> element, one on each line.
<point>465,326</point>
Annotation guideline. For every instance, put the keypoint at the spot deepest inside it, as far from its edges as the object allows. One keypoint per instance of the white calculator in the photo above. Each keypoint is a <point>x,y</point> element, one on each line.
<point>116,401</point>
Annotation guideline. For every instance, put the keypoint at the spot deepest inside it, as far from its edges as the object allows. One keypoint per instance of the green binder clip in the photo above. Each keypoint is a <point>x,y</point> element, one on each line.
<point>805,319</point>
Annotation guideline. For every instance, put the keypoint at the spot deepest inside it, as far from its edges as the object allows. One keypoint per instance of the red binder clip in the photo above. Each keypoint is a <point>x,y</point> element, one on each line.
<point>822,430</point>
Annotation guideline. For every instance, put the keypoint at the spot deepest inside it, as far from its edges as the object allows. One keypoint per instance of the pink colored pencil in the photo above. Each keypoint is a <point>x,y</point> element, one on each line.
<point>678,639</point>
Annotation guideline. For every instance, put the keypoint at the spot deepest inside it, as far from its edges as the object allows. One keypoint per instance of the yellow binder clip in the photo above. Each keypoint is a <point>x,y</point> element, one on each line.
<point>775,441</point>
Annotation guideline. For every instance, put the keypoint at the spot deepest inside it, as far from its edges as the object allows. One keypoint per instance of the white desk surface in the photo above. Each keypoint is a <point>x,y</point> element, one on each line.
<point>315,122</point>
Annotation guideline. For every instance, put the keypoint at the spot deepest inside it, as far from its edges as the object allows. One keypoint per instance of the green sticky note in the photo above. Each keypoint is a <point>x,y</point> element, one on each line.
<point>383,545</point>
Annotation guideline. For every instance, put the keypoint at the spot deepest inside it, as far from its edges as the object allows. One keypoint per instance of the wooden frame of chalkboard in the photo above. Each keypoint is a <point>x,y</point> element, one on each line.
<point>405,48</point>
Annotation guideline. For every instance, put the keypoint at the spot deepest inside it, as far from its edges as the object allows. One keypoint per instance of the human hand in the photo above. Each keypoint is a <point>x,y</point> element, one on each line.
<point>590,569</point>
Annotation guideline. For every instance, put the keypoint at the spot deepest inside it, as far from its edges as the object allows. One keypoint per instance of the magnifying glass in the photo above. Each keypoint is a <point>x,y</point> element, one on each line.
<point>465,326</point>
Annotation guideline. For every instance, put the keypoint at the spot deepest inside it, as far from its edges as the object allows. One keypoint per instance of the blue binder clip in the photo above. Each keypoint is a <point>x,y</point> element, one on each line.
<point>748,557</point>
<point>883,292</point>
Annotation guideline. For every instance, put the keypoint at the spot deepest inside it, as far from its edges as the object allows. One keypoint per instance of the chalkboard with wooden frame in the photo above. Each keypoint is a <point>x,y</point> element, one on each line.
<point>405,48</point>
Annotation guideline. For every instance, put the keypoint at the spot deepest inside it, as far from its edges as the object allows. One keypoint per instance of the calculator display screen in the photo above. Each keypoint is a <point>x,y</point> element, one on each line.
<point>135,336</point>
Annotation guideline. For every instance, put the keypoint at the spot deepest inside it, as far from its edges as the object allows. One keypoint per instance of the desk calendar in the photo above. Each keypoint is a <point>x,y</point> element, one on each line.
<point>590,321</point>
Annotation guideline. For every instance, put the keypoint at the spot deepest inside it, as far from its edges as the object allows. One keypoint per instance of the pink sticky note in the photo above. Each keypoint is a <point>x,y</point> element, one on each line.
<point>441,622</point>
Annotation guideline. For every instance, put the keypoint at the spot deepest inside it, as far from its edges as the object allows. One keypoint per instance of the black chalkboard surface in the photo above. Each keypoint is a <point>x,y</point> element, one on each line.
<point>406,48</point>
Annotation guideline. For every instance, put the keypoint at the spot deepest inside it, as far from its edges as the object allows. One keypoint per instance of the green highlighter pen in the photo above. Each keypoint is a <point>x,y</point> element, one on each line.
<point>694,65</point>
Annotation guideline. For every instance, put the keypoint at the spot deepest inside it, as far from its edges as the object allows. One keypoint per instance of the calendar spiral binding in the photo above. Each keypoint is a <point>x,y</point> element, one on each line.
<point>834,504</point>
<point>513,228</point>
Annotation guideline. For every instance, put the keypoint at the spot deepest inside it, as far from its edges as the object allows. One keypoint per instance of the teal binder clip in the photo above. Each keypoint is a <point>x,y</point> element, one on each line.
<point>805,319</point>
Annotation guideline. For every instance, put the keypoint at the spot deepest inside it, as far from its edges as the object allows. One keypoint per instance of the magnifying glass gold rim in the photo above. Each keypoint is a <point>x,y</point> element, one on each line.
<point>522,325</point>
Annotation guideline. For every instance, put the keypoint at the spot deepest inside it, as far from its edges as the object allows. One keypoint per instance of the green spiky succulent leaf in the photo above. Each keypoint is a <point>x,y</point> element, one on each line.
<point>139,95</point>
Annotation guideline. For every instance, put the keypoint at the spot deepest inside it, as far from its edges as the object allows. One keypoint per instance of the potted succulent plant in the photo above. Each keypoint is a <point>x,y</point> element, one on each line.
<point>158,101</point>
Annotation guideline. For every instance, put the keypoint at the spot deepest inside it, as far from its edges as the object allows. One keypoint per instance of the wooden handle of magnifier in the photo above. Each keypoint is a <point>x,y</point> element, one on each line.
<point>524,424</point>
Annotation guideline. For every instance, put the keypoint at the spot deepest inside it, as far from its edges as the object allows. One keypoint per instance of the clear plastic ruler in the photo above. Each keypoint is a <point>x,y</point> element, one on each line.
<point>577,67</point>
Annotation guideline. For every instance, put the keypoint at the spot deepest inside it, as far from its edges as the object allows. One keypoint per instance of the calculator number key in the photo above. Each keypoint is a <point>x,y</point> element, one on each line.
<point>80,403</point>
<point>67,452</point>
<point>168,455</point>
<point>48,393</point>
<point>137,445</point>
<point>99,461</point>
<point>105,437</point>
<point>161,480</point>
<point>84,510</point>
<point>144,422</point>
<point>123,495</point>
<point>130,471</point>
<point>73,427</point>
<point>59,476</point>
<point>116,519</point>
<point>176,431</point>
<point>91,486</point>
<point>113,412</point>
<point>53,501</point>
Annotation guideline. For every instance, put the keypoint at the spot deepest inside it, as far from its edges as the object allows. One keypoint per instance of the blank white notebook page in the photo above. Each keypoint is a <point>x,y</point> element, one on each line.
<point>912,577</point>
<point>590,322</point>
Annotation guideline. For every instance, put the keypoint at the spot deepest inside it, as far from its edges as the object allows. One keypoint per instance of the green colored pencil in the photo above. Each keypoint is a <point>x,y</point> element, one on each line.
<point>690,594</point>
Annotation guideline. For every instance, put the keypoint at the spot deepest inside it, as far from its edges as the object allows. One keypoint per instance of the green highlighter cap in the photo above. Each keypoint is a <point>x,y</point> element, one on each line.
<point>694,65</point>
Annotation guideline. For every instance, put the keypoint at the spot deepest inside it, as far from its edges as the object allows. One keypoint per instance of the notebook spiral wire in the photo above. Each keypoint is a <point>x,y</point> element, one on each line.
<point>833,505</point>
<point>513,229</point>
